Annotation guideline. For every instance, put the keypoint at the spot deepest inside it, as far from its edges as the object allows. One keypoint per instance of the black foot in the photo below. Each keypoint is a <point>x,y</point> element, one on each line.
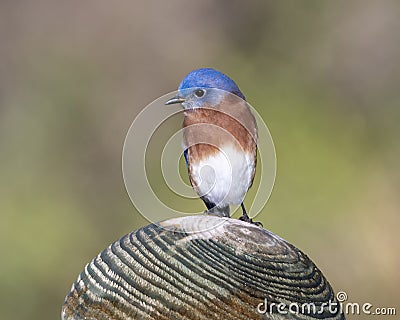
<point>246,218</point>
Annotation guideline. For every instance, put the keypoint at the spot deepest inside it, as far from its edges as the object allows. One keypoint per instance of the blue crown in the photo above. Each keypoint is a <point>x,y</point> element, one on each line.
<point>210,78</point>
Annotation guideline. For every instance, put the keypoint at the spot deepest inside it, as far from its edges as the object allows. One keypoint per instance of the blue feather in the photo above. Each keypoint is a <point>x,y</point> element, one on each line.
<point>210,78</point>
<point>186,155</point>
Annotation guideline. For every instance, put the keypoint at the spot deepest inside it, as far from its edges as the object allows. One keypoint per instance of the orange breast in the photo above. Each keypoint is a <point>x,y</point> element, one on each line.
<point>207,129</point>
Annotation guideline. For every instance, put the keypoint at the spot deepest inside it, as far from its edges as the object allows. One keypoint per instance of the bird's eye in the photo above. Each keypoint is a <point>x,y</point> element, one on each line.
<point>199,93</point>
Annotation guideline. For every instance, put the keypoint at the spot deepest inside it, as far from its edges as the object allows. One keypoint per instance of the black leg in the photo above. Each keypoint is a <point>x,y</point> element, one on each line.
<point>245,217</point>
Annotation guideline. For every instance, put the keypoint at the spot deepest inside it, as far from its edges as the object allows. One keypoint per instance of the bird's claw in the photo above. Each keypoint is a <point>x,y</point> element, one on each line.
<point>246,218</point>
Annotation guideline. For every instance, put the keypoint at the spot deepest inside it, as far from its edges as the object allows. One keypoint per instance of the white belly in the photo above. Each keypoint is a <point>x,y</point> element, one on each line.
<point>224,177</point>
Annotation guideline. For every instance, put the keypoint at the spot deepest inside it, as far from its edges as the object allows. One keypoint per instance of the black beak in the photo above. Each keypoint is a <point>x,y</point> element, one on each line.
<point>175,100</point>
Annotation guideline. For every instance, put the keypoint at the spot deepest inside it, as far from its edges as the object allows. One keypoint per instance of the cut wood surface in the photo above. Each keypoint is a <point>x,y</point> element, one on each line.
<point>200,267</point>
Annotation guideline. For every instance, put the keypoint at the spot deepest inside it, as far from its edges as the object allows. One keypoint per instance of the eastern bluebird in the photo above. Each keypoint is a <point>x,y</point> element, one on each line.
<point>219,139</point>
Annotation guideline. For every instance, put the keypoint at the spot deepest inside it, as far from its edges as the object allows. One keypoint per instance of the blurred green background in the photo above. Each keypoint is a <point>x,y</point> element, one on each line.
<point>324,75</point>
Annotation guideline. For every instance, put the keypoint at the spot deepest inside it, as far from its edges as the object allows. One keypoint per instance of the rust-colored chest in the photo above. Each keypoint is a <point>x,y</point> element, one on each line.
<point>208,129</point>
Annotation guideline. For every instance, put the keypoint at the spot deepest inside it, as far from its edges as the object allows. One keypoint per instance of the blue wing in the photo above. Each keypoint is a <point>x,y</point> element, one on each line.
<point>185,154</point>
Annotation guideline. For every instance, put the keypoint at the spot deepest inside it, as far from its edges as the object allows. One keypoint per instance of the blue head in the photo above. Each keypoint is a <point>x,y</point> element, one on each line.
<point>192,91</point>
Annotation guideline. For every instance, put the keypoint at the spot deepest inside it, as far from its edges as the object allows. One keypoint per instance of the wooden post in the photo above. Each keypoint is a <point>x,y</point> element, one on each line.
<point>200,267</point>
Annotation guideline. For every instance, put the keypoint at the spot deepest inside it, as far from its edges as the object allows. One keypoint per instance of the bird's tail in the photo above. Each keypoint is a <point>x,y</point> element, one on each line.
<point>219,211</point>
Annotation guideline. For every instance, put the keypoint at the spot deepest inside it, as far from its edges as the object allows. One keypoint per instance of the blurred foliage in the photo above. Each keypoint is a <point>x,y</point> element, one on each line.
<point>73,75</point>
